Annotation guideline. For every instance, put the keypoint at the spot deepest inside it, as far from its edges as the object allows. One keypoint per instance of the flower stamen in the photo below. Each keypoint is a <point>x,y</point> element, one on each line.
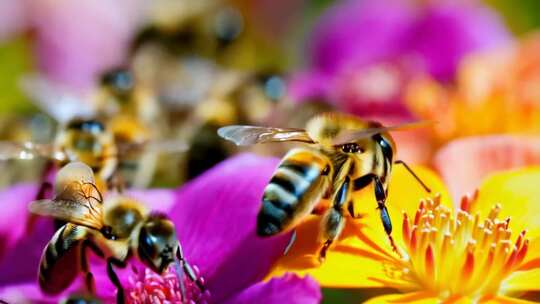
<point>438,243</point>
<point>149,287</point>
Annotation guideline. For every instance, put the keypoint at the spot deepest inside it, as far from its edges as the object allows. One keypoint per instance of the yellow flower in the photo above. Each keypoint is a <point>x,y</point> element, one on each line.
<point>487,251</point>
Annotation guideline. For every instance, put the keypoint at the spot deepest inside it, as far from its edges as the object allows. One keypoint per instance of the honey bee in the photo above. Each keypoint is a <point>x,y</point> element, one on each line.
<point>88,141</point>
<point>115,230</point>
<point>129,108</point>
<point>122,94</point>
<point>84,140</point>
<point>345,154</point>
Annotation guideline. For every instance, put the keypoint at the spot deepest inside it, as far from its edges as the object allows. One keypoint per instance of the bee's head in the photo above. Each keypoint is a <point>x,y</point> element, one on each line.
<point>119,80</point>
<point>85,140</point>
<point>157,243</point>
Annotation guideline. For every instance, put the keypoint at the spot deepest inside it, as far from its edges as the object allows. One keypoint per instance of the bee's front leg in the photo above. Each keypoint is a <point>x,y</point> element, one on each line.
<point>85,267</point>
<point>334,221</point>
<point>111,262</point>
<point>88,276</point>
<point>380,195</point>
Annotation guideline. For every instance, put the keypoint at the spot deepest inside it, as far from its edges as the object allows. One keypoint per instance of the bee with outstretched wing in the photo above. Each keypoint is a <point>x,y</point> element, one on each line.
<point>344,155</point>
<point>115,231</point>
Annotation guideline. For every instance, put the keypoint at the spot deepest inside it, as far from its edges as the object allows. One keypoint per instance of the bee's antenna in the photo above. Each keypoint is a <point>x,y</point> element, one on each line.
<point>180,271</point>
<point>400,162</point>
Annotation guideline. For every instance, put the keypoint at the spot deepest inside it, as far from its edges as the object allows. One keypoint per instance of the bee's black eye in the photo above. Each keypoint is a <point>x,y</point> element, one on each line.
<point>120,79</point>
<point>107,233</point>
<point>351,148</point>
<point>86,125</point>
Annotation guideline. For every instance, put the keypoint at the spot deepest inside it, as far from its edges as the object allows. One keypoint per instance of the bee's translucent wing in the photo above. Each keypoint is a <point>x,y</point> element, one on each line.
<point>77,199</point>
<point>353,135</point>
<point>249,135</point>
<point>28,150</point>
<point>86,213</point>
<point>74,172</point>
<point>56,100</point>
<point>157,146</point>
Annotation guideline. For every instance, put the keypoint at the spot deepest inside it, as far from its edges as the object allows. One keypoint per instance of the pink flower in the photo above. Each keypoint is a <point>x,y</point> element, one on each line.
<point>74,40</point>
<point>465,163</point>
<point>362,53</point>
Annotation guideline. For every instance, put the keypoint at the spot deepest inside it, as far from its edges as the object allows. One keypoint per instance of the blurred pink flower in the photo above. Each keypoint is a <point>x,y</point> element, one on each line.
<point>362,53</point>
<point>465,163</point>
<point>215,218</point>
<point>12,18</point>
<point>74,40</point>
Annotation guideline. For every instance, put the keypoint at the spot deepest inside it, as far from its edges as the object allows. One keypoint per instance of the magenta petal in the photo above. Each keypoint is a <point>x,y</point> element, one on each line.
<point>29,291</point>
<point>449,30</point>
<point>354,38</point>
<point>287,289</point>
<point>24,293</point>
<point>20,264</point>
<point>14,203</point>
<point>308,85</point>
<point>155,199</point>
<point>216,216</point>
<point>358,33</point>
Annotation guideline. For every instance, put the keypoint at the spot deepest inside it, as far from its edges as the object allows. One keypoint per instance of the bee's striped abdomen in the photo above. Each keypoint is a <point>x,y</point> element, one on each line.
<point>60,261</point>
<point>295,188</point>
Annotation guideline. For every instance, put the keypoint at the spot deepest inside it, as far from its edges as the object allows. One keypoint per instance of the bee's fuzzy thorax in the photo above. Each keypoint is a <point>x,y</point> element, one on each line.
<point>325,127</point>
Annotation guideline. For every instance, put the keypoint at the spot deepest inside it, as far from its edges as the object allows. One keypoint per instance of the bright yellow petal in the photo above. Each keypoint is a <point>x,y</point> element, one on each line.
<point>523,281</point>
<point>404,195</point>
<point>518,192</point>
<point>349,264</point>
<point>413,297</point>
<point>532,259</point>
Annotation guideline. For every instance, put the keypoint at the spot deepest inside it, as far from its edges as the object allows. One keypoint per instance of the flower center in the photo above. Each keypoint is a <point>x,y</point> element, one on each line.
<point>149,287</point>
<point>460,254</point>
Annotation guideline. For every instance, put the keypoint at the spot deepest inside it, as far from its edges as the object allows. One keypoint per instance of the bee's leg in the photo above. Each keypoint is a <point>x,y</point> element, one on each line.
<point>334,221</point>
<point>85,267</point>
<point>188,269</point>
<point>111,262</point>
<point>45,186</point>
<point>380,195</point>
<point>116,181</point>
